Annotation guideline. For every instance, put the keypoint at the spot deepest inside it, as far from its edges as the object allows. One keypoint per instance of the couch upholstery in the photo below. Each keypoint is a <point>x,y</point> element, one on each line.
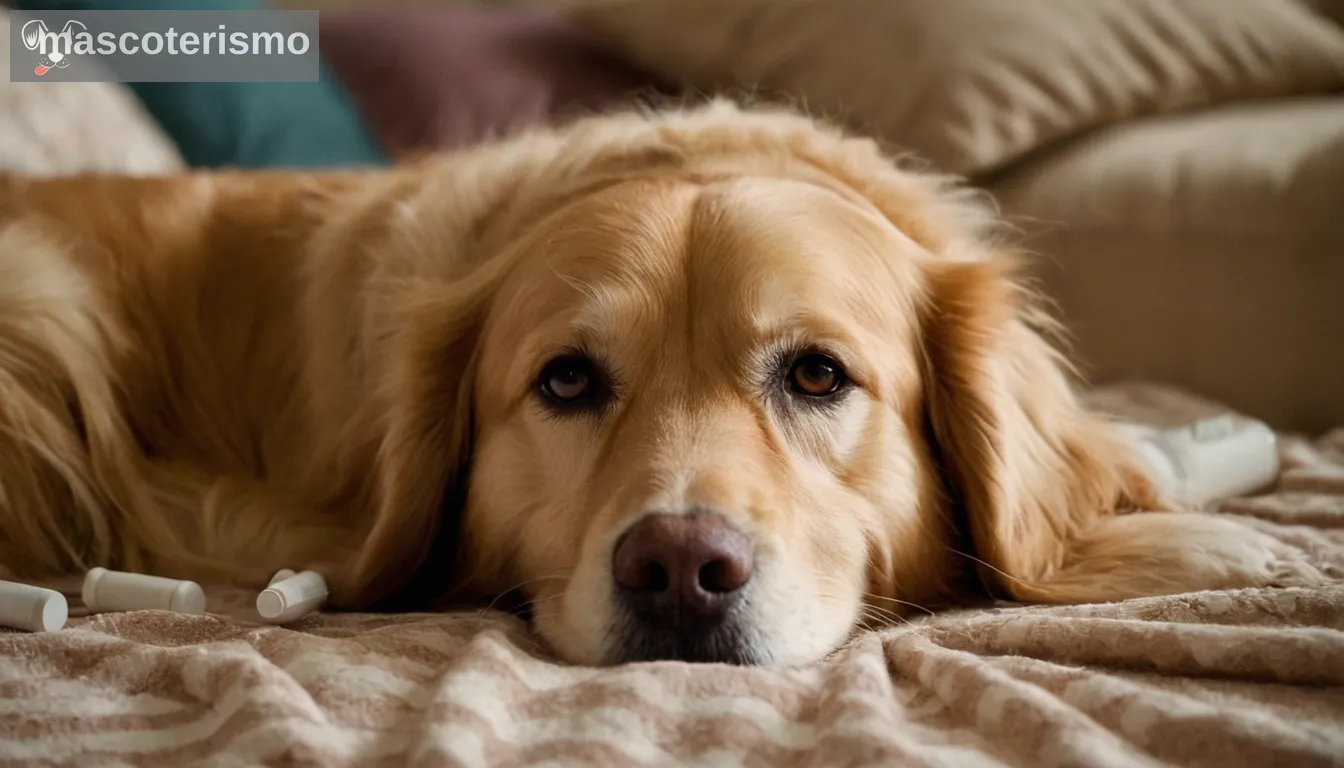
<point>1205,249</point>
<point>974,85</point>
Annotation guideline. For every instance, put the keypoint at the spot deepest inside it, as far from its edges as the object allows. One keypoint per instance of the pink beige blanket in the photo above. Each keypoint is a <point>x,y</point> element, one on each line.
<point>1224,679</point>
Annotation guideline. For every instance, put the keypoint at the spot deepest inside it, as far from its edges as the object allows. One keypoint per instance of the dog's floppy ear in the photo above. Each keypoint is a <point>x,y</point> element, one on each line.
<point>1033,472</point>
<point>1042,484</point>
<point>417,429</point>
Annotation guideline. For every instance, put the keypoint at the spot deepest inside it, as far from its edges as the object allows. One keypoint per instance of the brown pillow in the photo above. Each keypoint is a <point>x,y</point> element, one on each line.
<point>428,78</point>
<point>975,84</point>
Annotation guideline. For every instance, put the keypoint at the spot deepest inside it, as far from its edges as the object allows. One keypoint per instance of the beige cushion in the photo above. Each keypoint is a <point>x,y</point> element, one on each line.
<point>62,128</point>
<point>1203,250</point>
<point>975,84</point>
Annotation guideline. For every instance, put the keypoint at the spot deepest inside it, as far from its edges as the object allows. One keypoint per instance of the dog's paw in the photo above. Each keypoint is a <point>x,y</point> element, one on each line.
<point>1293,569</point>
<point>1260,560</point>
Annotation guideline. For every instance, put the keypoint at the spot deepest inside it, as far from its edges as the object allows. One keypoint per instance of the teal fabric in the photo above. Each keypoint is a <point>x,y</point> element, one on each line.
<point>247,125</point>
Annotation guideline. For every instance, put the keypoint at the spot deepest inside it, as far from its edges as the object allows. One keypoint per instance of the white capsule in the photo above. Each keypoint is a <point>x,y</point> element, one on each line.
<point>291,598</point>
<point>23,606</point>
<point>106,590</point>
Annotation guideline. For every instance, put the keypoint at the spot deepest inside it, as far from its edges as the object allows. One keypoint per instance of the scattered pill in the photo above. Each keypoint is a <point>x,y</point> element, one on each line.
<point>106,590</point>
<point>292,597</point>
<point>23,606</point>
<point>281,575</point>
<point>1212,459</point>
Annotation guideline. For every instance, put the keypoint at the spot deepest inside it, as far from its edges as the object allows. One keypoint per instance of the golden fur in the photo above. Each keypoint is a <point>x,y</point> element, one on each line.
<point>217,375</point>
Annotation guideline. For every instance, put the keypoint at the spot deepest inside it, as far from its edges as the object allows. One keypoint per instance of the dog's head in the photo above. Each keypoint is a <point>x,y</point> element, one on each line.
<point>728,385</point>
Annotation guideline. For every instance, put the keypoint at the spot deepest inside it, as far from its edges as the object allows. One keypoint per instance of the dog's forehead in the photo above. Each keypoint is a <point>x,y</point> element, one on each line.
<point>798,254</point>
<point>731,263</point>
<point>775,238</point>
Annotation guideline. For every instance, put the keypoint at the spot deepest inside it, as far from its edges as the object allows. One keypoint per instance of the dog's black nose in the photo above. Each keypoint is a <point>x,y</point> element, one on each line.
<point>682,571</point>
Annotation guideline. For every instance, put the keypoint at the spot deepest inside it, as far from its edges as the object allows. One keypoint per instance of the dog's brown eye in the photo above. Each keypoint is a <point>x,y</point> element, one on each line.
<point>572,381</point>
<point>816,375</point>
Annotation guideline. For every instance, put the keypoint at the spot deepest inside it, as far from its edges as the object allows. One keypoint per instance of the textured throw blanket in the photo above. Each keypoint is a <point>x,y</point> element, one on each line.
<point>1245,678</point>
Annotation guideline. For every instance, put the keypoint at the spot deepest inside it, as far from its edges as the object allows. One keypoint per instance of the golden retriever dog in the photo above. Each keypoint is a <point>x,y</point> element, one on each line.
<point>706,384</point>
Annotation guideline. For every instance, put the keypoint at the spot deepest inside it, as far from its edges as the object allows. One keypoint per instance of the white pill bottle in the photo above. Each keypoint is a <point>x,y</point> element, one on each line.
<point>1212,459</point>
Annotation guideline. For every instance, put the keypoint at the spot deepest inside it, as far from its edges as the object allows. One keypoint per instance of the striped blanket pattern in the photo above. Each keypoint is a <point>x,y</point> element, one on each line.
<point>1244,678</point>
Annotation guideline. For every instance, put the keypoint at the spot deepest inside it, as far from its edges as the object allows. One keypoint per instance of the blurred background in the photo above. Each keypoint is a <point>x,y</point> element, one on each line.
<point>1176,167</point>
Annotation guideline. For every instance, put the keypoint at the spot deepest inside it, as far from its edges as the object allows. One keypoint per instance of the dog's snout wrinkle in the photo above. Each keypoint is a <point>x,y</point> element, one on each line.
<point>683,571</point>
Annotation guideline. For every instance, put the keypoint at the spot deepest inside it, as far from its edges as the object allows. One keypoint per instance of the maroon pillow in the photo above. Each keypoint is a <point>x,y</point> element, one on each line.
<point>443,77</point>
